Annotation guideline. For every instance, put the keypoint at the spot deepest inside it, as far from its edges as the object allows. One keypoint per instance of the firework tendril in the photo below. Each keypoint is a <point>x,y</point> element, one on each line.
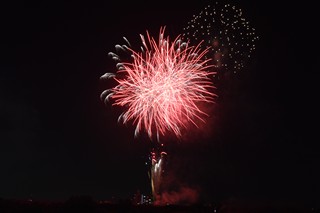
<point>160,87</point>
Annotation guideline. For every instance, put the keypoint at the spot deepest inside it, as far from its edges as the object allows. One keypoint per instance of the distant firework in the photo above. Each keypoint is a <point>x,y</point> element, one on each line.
<point>161,87</point>
<point>228,35</point>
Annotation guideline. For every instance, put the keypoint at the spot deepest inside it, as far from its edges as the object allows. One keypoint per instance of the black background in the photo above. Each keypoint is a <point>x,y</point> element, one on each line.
<point>57,139</point>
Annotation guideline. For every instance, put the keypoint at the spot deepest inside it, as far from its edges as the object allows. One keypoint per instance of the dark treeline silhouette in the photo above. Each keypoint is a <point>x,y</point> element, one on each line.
<point>85,204</point>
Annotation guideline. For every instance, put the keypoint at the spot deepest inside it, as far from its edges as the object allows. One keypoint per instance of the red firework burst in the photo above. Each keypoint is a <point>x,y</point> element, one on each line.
<point>161,88</point>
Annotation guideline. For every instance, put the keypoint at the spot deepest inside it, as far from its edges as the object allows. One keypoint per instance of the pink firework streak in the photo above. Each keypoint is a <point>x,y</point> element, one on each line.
<point>163,85</point>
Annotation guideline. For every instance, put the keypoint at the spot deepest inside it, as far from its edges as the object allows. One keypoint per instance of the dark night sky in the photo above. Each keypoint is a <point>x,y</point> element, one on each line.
<point>57,139</point>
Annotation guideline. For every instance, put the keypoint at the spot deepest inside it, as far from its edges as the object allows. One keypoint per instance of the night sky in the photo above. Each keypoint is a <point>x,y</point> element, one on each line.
<point>58,139</point>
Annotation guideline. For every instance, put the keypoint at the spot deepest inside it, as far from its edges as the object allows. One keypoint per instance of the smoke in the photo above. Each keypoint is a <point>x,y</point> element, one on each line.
<point>183,196</point>
<point>177,185</point>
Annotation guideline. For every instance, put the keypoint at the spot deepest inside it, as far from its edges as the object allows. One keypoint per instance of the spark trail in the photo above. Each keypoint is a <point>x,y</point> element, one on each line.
<point>157,170</point>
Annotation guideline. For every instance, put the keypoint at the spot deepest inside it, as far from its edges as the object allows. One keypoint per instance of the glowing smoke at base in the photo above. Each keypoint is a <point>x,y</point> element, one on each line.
<point>182,196</point>
<point>167,188</point>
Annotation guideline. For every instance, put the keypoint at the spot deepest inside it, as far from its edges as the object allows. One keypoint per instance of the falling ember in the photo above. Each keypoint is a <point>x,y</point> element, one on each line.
<point>162,86</point>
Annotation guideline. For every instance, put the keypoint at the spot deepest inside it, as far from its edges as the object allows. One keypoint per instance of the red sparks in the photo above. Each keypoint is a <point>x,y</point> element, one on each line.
<point>162,87</point>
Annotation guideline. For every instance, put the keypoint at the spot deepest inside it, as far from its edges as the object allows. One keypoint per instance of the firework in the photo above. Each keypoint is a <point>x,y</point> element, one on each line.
<point>161,86</point>
<point>226,33</point>
<point>157,172</point>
